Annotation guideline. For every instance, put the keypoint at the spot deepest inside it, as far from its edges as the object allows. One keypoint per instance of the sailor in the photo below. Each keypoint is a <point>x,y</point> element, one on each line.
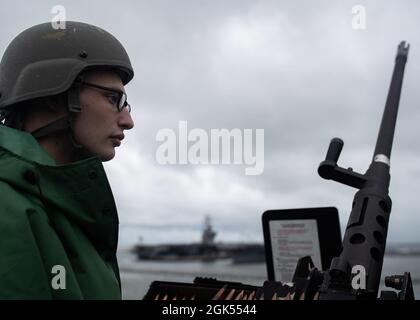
<point>64,110</point>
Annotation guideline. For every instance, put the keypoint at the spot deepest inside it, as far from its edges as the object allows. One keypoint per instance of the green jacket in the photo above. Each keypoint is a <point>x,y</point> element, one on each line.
<point>54,215</point>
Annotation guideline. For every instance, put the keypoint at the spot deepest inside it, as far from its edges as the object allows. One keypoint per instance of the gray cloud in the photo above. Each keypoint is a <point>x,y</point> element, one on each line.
<point>295,69</point>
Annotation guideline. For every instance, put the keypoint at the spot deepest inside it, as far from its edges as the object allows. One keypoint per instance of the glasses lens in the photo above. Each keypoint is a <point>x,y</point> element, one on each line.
<point>123,103</point>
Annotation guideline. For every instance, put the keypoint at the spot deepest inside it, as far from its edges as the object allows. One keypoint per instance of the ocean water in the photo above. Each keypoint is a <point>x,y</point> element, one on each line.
<point>136,276</point>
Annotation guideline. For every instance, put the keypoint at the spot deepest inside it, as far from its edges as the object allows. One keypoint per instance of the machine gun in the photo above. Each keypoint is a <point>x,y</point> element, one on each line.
<point>356,273</point>
<point>365,236</point>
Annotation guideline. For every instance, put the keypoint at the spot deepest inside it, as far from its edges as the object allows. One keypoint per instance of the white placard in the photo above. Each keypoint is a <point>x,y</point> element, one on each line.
<point>291,240</point>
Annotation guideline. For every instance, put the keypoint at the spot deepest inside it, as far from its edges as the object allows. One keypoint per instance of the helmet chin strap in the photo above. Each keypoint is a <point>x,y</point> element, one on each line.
<point>65,123</point>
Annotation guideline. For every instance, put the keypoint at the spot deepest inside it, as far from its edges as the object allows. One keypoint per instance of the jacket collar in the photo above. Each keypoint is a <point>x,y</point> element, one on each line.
<point>80,190</point>
<point>24,145</point>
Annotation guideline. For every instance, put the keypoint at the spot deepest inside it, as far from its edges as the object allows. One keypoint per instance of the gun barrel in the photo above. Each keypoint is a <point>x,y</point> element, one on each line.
<point>386,132</point>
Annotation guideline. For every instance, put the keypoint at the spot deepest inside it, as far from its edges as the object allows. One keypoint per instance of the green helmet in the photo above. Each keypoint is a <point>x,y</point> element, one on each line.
<point>43,61</point>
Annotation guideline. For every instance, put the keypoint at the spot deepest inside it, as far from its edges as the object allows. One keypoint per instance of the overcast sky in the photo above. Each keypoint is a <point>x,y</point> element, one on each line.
<point>297,69</point>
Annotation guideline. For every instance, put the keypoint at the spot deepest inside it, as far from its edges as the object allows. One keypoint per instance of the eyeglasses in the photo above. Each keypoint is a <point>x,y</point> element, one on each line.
<point>118,99</point>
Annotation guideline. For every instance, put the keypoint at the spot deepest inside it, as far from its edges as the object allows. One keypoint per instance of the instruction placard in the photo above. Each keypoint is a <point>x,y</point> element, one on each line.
<point>291,240</point>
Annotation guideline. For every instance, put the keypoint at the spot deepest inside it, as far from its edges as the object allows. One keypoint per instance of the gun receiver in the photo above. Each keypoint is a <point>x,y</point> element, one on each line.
<point>364,240</point>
